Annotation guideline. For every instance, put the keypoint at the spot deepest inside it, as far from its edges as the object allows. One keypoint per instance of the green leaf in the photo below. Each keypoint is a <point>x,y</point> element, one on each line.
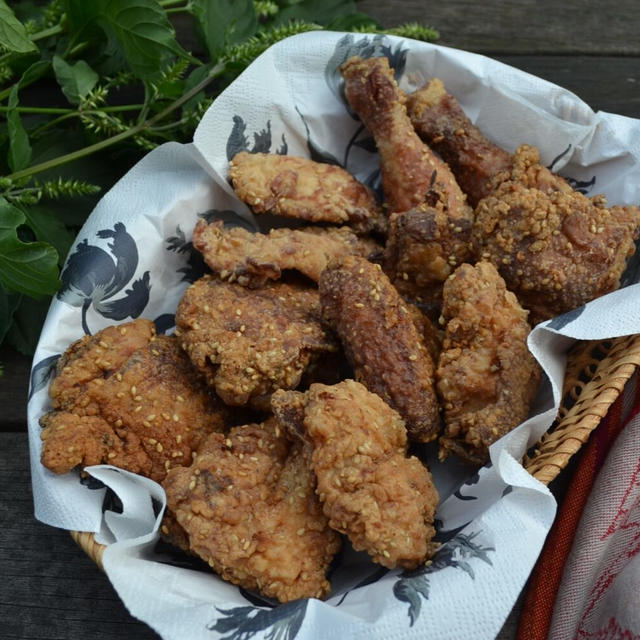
<point>319,11</point>
<point>8,304</point>
<point>25,267</point>
<point>13,35</point>
<point>143,34</point>
<point>76,81</point>
<point>48,228</point>
<point>19,148</point>
<point>34,72</point>
<point>225,22</point>
<point>28,319</point>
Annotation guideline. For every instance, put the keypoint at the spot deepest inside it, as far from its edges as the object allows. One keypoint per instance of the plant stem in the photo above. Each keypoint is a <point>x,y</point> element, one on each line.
<point>103,144</point>
<point>45,33</point>
<point>56,110</point>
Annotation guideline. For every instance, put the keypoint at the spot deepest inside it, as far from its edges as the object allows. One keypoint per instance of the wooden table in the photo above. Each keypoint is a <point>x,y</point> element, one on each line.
<point>49,588</point>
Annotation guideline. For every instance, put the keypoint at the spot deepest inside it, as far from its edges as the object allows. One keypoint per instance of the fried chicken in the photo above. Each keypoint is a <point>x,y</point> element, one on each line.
<point>306,190</point>
<point>441,123</point>
<point>248,507</point>
<point>381,342</point>
<point>431,222</point>
<point>486,376</point>
<point>237,255</point>
<point>369,490</point>
<point>412,174</point>
<point>555,248</point>
<point>249,342</point>
<point>423,249</point>
<point>149,414</point>
<point>93,357</point>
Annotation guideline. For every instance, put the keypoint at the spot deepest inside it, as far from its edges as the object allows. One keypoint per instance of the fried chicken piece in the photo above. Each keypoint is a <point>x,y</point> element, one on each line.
<point>152,413</point>
<point>381,342</point>
<point>412,175</point>
<point>306,190</point>
<point>423,248</point>
<point>441,123</point>
<point>253,258</point>
<point>486,376</point>
<point>249,509</point>
<point>369,490</point>
<point>93,357</point>
<point>555,248</point>
<point>249,342</point>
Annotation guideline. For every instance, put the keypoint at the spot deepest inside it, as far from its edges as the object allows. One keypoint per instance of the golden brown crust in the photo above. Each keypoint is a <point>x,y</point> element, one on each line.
<point>441,123</point>
<point>412,175</point>
<point>555,248</point>
<point>151,413</point>
<point>249,342</point>
<point>381,342</point>
<point>486,376</point>
<point>96,356</point>
<point>382,500</point>
<point>303,189</point>
<point>248,507</point>
<point>424,247</point>
<point>251,259</point>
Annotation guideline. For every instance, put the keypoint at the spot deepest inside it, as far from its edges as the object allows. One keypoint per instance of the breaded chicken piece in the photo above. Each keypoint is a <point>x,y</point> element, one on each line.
<point>248,507</point>
<point>441,123</point>
<point>412,175</point>
<point>93,357</point>
<point>430,334</point>
<point>249,342</point>
<point>422,250</point>
<point>152,413</point>
<point>237,255</point>
<point>305,190</point>
<point>381,342</point>
<point>555,248</point>
<point>369,490</point>
<point>486,376</point>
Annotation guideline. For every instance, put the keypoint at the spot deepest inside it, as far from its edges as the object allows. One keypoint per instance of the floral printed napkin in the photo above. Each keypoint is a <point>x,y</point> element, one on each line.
<point>134,258</point>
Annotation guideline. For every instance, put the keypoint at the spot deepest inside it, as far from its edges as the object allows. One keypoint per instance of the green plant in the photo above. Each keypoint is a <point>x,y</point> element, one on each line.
<point>119,83</point>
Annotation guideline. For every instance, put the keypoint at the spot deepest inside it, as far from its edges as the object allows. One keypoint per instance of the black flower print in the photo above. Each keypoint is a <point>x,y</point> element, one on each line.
<point>92,277</point>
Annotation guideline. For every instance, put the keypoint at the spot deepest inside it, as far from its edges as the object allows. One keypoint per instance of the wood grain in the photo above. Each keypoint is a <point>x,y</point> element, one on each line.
<point>520,26</point>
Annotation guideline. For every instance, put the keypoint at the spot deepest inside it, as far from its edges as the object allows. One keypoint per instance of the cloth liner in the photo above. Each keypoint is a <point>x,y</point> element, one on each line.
<point>133,258</point>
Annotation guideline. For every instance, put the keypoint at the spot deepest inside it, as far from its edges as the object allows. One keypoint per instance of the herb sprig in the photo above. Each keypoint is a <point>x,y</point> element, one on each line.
<point>120,83</point>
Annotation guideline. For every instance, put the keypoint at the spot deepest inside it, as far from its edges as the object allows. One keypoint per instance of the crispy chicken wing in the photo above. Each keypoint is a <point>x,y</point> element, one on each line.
<point>248,507</point>
<point>250,342</point>
<point>555,248</point>
<point>303,189</point>
<point>381,342</point>
<point>382,500</point>
<point>150,413</point>
<point>486,376</point>
<point>441,123</point>
<point>253,258</point>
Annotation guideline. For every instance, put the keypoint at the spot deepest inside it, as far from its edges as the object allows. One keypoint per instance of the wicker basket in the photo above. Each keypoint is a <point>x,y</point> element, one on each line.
<point>596,374</point>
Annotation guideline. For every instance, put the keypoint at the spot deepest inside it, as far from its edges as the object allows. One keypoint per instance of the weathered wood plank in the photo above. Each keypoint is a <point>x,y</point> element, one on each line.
<point>49,588</point>
<point>14,385</point>
<point>520,26</point>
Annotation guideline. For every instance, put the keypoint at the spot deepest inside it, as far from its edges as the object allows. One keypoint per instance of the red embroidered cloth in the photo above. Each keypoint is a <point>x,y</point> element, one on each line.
<point>586,584</point>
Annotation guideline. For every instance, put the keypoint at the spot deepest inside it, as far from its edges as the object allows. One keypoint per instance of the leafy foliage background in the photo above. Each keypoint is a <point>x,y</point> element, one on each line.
<point>118,82</point>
